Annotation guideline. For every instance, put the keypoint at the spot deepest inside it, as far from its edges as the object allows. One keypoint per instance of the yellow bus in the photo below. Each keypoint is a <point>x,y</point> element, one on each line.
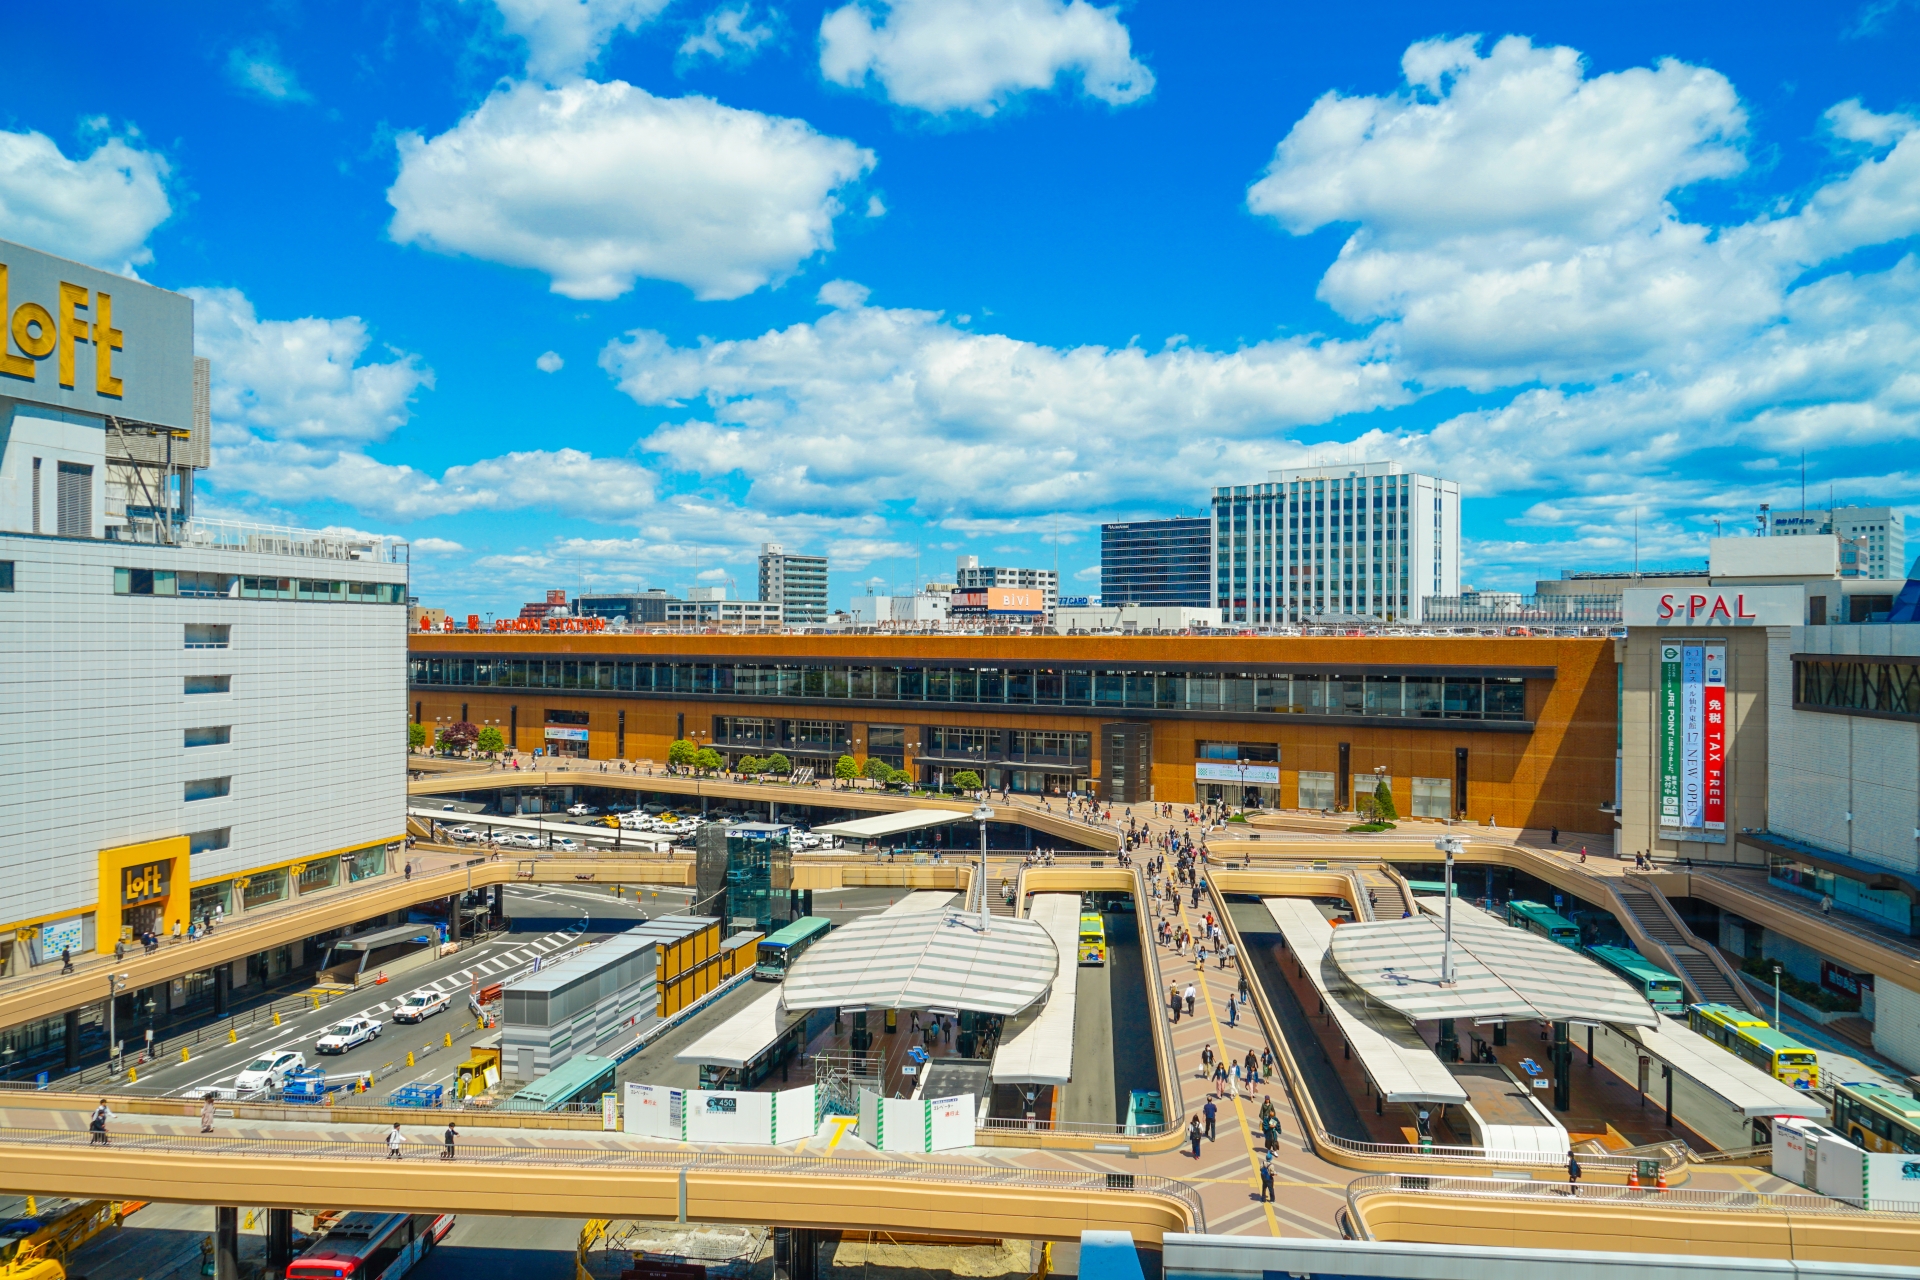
<point>1093,940</point>
<point>1749,1038</point>
<point>1877,1118</point>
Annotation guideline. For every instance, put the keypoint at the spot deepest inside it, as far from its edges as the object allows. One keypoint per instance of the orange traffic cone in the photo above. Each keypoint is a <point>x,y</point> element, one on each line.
<point>1633,1178</point>
<point>382,978</point>
<point>1661,1183</point>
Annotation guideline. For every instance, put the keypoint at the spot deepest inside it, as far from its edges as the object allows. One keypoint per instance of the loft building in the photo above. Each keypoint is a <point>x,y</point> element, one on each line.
<point>1359,542</point>
<point>798,584</point>
<point>1157,562</point>
<point>197,717</point>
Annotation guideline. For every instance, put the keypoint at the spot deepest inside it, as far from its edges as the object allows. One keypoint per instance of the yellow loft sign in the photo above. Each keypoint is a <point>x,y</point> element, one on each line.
<point>76,338</point>
<point>34,332</point>
<point>148,882</point>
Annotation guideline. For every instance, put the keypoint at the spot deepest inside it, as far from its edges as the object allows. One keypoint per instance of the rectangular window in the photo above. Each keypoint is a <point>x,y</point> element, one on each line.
<point>1433,797</point>
<point>939,684</point>
<point>208,635</point>
<point>263,887</point>
<point>208,788</point>
<point>323,873</point>
<point>557,716</point>
<point>6,575</point>
<point>213,735</point>
<point>210,840</point>
<point>1316,790</point>
<point>209,684</point>
<point>75,499</point>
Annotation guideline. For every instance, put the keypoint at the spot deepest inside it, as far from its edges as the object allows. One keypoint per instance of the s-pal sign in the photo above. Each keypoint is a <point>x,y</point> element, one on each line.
<point>1715,607</point>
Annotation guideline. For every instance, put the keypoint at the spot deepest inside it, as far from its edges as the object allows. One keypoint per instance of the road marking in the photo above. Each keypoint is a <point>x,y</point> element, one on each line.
<point>840,1126</point>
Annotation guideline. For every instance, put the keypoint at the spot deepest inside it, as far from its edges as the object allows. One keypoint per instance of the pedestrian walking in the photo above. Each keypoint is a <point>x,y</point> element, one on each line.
<point>1233,1012</point>
<point>1206,1061</point>
<point>1189,999</point>
<point>1573,1174</point>
<point>1253,1069</point>
<point>66,960</point>
<point>1210,1112</point>
<point>1193,1136</point>
<point>119,950</point>
<point>1219,1079</point>
<point>1266,1177</point>
<point>206,1112</point>
<point>451,1134</point>
<point>409,871</point>
<point>1173,1002</point>
<point>1266,1061</point>
<point>97,1126</point>
<point>176,932</point>
<point>394,1141</point>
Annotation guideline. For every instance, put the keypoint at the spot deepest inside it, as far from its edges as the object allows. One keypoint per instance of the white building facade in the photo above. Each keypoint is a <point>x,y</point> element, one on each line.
<point>971,575</point>
<point>1369,540</point>
<point>798,584</point>
<point>1879,532</point>
<point>198,719</point>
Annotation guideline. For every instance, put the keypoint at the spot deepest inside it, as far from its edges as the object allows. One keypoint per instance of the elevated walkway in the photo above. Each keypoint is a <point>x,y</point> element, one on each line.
<point>1647,915</point>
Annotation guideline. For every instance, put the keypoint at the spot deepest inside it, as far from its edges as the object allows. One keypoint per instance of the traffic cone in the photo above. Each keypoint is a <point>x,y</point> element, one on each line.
<point>382,978</point>
<point>1661,1183</point>
<point>1633,1178</point>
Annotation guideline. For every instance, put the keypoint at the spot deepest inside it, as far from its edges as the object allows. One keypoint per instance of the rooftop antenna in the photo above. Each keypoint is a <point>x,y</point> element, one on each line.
<point>1803,489</point>
<point>1636,542</point>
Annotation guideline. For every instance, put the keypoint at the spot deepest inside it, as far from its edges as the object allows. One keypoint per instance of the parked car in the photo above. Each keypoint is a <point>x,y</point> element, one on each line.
<point>467,834</point>
<point>418,1006</point>
<point>269,1072</point>
<point>521,840</point>
<point>583,810</point>
<point>346,1035</point>
<point>565,844</point>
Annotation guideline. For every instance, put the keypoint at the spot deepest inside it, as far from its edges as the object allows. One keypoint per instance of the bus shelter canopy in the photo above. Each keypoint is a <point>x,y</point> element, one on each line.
<point>925,960</point>
<point>1499,973</point>
<point>883,825</point>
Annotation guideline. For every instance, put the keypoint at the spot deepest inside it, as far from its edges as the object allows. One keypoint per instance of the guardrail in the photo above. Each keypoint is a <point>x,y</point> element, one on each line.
<point>1754,1202</point>
<point>581,1155</point>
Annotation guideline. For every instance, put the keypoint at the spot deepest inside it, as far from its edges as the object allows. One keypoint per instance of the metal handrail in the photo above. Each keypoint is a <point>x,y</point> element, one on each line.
<point>1755,1202</point>
<point>578,1155</point>
<point>1168,1062</point>
<point>1672,1155</point>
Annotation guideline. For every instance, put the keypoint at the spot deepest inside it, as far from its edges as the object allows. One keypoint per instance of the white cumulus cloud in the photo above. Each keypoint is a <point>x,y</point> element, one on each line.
<point>99,209</point>
<point>549,362</point>
<point>942,56</point>
<point>597,185</point>
<point>565,37</point>
<point>730,33</point>
<point>301,379</point>
<point>258,69</point>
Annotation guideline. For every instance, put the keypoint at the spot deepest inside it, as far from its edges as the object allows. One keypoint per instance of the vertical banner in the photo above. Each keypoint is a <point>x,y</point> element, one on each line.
<point>1714,702</point>
<point>1692,736</point>
<point>1669,717</point>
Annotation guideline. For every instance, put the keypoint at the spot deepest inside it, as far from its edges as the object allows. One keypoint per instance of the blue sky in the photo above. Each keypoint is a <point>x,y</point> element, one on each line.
<point>603,295</point>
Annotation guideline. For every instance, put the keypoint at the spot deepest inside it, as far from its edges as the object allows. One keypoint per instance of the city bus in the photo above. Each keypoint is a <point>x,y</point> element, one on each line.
<point>574,1085</point>
<point>1536,917</point>
<point>371,1246</point>
<point>778,953</point>
<point>1658,987</point>
<point>1877,1118</point>
<point>1747,1037</point>
<point>1093,940</point>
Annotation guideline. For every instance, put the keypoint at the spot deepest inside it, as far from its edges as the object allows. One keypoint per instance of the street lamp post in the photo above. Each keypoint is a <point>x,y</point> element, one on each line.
<point>1776,997</point>
<point>981,814</point>
<point>1449,845</point>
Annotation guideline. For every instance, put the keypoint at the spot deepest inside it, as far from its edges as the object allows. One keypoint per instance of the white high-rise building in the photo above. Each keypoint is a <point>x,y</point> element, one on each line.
<point>798,584</point>
<point>1359,540</point>
<point>1879,532</point>
<point>198,719</point>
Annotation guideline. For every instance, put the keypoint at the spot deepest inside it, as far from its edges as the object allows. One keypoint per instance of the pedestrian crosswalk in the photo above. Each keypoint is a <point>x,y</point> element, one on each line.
<point>492,967</point>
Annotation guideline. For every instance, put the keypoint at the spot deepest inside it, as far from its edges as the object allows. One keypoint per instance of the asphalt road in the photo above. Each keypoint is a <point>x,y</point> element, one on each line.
<point>549,922</point>
<point>504,1249</point>
<point>1112,1038</point>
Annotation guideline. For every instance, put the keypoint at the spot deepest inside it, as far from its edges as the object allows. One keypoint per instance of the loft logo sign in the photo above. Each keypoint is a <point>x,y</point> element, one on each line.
<point>145,883</point>
<point>34,333</point>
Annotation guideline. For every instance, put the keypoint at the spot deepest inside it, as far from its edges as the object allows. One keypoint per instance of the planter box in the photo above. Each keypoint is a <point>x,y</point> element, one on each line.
<point>1819,1017</point>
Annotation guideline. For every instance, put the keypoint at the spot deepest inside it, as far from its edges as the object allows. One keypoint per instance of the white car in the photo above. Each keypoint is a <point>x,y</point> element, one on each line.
<point>418,1006</point>
<point>269,1072</point>
<point>521,840</point>
<point>565,844</point>
<point>467,834</point>
<point>346,1035</point>
<point>583,810</point>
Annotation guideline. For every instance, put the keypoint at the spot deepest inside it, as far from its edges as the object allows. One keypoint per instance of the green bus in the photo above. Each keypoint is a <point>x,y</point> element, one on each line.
<point>778,953</point>
<point>1659,988</point>
<point>1537,917</point>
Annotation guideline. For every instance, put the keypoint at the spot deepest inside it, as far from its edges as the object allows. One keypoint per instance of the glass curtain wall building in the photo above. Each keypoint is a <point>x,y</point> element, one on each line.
<point>1165,562</point>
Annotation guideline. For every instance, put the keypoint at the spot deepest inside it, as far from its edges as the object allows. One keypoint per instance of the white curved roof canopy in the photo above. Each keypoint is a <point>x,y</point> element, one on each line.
<point>925,960</point>
<point>1500,973</point>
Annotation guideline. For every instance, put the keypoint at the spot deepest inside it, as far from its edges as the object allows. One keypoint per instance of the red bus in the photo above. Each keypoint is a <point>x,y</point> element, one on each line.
<point>371,1246</point>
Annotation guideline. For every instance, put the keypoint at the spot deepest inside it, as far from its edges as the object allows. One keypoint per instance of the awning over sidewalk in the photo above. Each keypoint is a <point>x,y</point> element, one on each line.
<point>925,960</point>
<point>883,825</point>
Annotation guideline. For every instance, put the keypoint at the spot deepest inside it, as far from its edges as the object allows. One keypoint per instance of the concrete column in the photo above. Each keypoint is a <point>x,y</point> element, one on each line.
<point>1562,1068</point>
<point>222,989</point>
<point>226,1243</point>
<point>453,917</point>
<point>796,1252</point>
<point>279,1239</point>
<point>73,1039</point>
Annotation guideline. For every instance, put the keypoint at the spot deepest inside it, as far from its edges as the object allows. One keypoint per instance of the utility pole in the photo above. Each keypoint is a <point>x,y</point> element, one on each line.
<point>1449,845</point>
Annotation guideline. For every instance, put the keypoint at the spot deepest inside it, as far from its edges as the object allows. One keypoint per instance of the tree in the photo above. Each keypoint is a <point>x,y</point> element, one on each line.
<point>967,780</point>
<point>460,735</point>
<point>707,760</point>
<point>491,740</point>
<point>845,770</point>
<point>1383,810</point>
<point>680,753</point>
<point>750,765</point>
<point>777,763</point>
<point>900,776</point>
<point>416,736</point>
<point>879,770</point>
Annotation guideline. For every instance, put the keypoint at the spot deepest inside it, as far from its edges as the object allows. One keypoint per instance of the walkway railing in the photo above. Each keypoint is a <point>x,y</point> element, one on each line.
<point>580,1155</point>
<point>1754,1202</point>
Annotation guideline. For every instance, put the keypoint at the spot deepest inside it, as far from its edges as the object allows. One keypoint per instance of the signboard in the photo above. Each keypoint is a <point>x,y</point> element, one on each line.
<point>1258,775</point>
<point>1845,981</point>
<point>1715,607</point>
<point>1690,706</point>
<point>610,1111</point>
<point>58,936</point>
<point>1001,600</point>
<point>566,735</point>
<point>147,882</point>
<point>78,338</point>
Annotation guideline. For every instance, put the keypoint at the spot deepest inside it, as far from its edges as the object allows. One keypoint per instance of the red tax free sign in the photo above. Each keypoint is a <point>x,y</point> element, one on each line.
<point>1705,607</point>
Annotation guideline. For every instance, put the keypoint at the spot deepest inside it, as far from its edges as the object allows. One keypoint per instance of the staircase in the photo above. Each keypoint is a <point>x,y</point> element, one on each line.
<point>1708,977</point>
<point>1007,869</point>
<point>1388,902</point>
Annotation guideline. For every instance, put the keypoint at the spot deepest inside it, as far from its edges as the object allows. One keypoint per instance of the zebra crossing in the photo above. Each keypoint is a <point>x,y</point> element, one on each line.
<point>492,967</point>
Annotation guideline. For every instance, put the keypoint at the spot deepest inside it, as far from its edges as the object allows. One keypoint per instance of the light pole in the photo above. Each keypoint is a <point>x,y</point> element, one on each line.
<point>1449,845</point>
<point>981,814</point>
<point>1776,997</point>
